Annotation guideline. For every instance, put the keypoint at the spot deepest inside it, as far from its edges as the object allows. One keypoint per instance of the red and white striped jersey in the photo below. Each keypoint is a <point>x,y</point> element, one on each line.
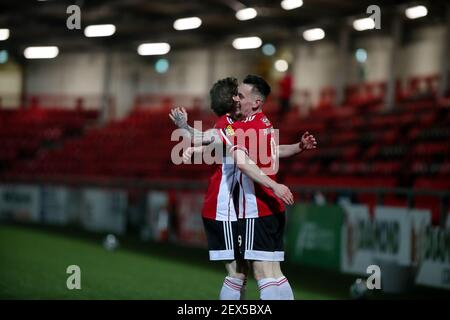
<point>256,135</point>
<point>218,203</point>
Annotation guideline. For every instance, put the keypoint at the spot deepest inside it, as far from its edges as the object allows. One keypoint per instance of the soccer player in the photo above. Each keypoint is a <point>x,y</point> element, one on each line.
<point>263,213</point>
<point>256,235</point>
<point>219,213</point>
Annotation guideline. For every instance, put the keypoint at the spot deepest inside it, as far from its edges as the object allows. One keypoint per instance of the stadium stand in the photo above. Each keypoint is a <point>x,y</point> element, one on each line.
<point>360,145</point>
<point>26,132</point>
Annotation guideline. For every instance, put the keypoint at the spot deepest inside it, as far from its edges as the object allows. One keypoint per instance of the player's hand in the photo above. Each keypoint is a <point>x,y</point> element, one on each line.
<point>283,192</point>
<point>187,155</point>
<point>179,117</point>
<point>308,142</point>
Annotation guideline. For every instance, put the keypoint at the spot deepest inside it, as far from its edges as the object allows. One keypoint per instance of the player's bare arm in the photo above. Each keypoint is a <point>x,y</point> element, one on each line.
<point>307,142</point>
<point>187,154</point>
<point>249,168</point>
<point>179,117</point>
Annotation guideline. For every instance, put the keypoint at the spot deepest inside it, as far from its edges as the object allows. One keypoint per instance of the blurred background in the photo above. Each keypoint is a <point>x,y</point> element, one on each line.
<point>86,176</point>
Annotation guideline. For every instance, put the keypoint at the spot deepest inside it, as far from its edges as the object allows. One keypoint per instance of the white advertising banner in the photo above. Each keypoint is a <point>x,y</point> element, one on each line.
<point>357,240</point>
<point>389,236</point>
<point>156,216</point>
<point>434,268</point>
<point>392,235</point>
<point>20,202</point>
<point>421,221</point>
<point>400,240</point>
<point>104,210</point>
<point>190,229</point>
<point>55,201</point>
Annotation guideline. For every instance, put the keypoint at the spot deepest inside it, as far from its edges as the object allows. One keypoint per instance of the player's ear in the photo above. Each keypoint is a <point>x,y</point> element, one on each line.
<point>258,104</point>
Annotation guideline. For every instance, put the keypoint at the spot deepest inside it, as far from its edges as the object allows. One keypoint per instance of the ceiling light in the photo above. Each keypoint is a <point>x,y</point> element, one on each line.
<point>4,34</point>
<point>416,12</point>
<point>247,43</point>
<point>41,52</point>
<point>314,34</point>
<point>150,49</point>
<point>187,23</point>
<point>246,14</point>
<point>363,24</point>
<point>281,65</point>
<point>291,4</point>
<point>99,30</point>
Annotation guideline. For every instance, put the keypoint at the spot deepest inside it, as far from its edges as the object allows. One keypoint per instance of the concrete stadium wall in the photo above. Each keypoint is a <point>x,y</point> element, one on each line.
<point>376,67</point>
<point>423,52</point>
<point>191,72</point>
<point>72,73</point>
<point>11,79</point>
<point>314,66</point>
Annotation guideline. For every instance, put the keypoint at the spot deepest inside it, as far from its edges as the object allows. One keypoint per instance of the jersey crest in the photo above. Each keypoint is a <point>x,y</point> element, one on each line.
<point>229,130</point>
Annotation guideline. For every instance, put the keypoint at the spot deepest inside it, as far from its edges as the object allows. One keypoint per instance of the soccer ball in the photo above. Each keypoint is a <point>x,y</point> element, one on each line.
<point>358,290</point>
<point>110,242</point>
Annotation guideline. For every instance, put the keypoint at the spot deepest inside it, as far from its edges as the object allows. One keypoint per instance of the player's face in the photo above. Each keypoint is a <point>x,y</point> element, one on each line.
<point>237,113</point>
<point>248,101</point>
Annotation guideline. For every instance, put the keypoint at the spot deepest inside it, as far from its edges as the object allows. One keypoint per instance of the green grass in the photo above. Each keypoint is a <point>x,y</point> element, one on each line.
<point>33,263</point>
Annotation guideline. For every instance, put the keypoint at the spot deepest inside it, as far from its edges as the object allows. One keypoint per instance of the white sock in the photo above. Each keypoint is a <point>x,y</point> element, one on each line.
<point>268,289</point>
<point>284,288</point>
<point>231,289</point>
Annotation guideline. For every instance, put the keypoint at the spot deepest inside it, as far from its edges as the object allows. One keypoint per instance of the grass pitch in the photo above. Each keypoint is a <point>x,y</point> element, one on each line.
<point>34,260</point>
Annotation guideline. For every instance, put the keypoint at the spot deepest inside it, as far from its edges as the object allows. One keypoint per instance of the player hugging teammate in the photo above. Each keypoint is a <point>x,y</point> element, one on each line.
<point>244,212</point>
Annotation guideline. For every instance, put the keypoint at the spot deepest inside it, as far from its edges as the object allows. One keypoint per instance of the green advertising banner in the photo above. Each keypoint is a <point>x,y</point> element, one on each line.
<point>313,235</point>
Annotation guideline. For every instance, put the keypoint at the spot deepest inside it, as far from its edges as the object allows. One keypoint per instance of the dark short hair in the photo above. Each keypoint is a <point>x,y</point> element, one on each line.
<point>259,84</point>
<point>221,95</point>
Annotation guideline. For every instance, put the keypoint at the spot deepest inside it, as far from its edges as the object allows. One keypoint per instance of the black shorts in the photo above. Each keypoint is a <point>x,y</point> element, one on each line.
<point>222,239</point>
<point>259,239</point>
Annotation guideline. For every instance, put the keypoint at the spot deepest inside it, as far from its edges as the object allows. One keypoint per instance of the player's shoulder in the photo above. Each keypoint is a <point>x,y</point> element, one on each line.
<point>258,120</point>
<point>223,122</point>
<point>263,119</point>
